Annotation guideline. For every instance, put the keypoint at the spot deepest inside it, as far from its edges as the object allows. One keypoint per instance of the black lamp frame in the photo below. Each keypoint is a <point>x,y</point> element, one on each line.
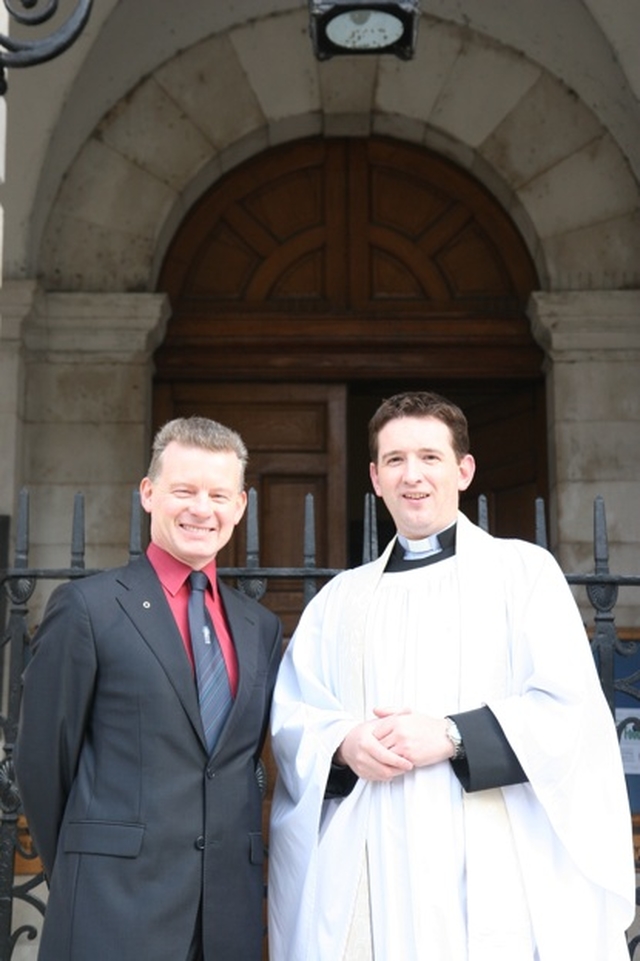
<point>322,12</point>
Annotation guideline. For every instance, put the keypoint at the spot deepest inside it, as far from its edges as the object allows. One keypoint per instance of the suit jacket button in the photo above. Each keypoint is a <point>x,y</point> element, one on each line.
<point>199,845</point>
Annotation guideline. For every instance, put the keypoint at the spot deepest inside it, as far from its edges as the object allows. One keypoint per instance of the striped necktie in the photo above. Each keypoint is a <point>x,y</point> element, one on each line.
<point>214,693</point>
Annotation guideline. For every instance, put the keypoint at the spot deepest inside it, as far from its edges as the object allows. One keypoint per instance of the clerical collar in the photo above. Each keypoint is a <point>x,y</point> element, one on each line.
<point>446,547</point>
<point>416,550</point>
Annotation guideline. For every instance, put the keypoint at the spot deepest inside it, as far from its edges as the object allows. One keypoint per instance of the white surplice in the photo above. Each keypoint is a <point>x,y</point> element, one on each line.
<point>416,869</point>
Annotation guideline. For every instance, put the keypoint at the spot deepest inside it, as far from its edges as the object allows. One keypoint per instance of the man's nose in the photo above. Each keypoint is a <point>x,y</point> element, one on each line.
<point>200,503</point>
<point>412,469</point>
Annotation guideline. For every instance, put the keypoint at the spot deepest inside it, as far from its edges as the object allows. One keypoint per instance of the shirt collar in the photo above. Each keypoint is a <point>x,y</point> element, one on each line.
<point>172,573</point>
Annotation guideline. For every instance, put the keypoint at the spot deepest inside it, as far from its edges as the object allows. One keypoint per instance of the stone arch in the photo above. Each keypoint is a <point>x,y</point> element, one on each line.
<point>215,104</point>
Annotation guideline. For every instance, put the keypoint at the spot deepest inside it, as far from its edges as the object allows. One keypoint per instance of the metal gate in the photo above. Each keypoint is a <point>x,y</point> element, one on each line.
<point>19,581</point>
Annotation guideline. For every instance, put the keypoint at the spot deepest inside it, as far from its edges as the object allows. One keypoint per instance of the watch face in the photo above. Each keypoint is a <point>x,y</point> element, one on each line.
<point>364,29</point>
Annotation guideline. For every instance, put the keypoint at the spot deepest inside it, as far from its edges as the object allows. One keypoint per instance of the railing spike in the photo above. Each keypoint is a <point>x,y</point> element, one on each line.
<point>254,587</point>
<point>135,526</point>
<point>309,531</point>
<point>22,530</point>
<point>541,524</point>
<point>253,532</point>
<point>77,533</point>
<point>483,513</point>
<point>375,550</point>
<point>309,556</point>
<point>366,532</point>
<point>600,537</point>
<point>369,530</point>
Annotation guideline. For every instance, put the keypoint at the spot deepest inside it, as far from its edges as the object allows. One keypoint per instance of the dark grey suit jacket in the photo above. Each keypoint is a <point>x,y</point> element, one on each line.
<point>133,821</point>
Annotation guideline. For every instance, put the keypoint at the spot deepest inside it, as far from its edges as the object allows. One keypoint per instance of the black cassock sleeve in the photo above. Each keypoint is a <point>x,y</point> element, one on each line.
<point>341,781</point>
<point>490,760</point>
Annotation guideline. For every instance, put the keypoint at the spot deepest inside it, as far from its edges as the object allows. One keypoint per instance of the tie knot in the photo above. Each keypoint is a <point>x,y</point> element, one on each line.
<point>198,580</point>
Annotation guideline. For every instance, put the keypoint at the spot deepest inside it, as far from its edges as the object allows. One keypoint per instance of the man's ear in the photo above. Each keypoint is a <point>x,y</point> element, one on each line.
<point>373,474</point>
<point>242,506</point>
<point>466,469</point>
<point>146,491</point>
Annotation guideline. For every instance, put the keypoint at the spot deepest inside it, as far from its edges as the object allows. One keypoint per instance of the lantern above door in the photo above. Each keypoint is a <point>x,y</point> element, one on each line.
<point>361,27</point>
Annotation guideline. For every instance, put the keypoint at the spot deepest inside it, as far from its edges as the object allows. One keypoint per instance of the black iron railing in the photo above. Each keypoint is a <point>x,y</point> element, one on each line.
<point>19,581</point>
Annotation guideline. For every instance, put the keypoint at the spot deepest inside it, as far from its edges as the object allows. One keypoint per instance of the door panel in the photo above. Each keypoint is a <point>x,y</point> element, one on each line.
<point>507,427</point>
<point>295,434</point>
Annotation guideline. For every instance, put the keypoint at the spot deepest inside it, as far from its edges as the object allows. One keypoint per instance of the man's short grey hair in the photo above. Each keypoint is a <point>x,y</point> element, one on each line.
<point>197,432</point>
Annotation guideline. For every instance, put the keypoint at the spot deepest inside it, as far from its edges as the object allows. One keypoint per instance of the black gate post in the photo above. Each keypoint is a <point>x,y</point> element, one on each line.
<point>19,590</point>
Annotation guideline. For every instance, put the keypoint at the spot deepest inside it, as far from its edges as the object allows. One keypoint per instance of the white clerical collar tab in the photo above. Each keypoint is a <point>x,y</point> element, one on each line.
<point>426,545</point>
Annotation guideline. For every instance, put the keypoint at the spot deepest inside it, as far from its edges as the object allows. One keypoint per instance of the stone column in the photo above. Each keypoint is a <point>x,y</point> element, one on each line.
<point>9,342</point>
<point>592,341</point>
<point>88,413</point>
<point>16,302</point>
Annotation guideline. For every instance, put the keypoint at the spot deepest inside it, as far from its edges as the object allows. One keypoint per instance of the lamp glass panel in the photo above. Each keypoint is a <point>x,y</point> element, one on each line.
<point>364,29</point>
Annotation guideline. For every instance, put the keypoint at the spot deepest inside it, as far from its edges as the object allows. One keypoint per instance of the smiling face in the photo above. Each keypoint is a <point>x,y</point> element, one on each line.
<point>195,502</point>
<point>419,476</point>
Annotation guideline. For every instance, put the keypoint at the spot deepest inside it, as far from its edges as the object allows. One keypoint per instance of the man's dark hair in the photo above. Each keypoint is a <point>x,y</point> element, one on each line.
<point>421,404</point>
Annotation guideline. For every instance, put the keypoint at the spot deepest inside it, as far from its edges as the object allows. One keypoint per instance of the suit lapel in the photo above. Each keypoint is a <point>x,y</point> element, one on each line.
<point>242,625</point>
<point>143,601</point>
<point>145,604</point>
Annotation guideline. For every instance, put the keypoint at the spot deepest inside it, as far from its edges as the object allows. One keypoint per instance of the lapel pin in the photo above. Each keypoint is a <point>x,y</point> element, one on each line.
<point>146,604</point>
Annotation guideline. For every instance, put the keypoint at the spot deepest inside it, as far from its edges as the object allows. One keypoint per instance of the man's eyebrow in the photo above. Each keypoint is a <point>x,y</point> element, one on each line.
<point>421,450</point>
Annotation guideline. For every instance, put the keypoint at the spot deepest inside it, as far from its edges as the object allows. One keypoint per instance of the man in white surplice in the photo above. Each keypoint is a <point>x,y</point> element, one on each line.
<point>450,784</point>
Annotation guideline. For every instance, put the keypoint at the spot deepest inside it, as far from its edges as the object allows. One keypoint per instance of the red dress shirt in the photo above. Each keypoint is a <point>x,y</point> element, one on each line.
<point>173,575</point>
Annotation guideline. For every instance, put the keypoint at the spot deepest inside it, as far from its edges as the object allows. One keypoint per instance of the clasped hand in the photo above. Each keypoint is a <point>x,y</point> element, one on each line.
<point>393,743</point>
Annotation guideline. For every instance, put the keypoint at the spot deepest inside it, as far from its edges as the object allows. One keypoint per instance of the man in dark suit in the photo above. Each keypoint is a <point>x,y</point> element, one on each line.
<point>150,833</point>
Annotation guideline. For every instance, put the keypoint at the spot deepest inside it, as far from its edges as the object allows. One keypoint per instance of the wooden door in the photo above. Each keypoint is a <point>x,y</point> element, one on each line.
<point>507,428</point>
<point>359,262</point>
<point>295,434</point>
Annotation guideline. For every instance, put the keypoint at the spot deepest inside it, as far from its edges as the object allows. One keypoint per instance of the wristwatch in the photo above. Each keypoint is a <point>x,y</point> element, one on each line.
<point>455,737</point>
